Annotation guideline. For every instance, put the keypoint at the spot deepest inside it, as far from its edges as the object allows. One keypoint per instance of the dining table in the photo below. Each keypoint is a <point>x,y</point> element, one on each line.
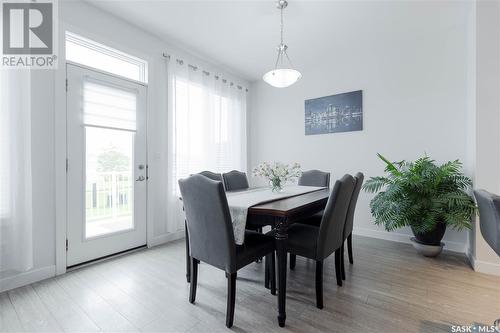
<point>280,214</point>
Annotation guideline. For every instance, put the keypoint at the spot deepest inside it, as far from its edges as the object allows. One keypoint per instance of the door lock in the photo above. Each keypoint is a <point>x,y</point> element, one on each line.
<point>140,179</point>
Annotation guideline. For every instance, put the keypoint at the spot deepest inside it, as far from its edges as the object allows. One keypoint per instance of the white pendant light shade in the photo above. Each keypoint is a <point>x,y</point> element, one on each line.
<point>282,77</point>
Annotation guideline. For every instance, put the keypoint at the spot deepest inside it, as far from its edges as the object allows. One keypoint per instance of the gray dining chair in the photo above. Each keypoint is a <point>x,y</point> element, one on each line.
<point>312,178</point>
<point>211,236</point>
<point>318,243</point>
<point>349,223</point>
<point>213,176</point>
<point>235,180</point>
<point>489,218</point>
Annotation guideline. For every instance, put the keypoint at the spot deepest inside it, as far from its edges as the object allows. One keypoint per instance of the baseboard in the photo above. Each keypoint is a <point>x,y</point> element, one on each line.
<point>405,238</point>
<point>26,278</point>
<point>165,238</point>
<point>483,266</point>
<point>486,267</point>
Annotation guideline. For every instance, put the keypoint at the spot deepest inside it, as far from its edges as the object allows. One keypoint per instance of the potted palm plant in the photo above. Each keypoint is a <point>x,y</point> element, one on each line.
<point>424,196</point>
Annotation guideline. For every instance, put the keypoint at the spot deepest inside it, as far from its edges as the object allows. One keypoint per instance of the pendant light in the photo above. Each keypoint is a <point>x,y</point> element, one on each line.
<point>283,75</point>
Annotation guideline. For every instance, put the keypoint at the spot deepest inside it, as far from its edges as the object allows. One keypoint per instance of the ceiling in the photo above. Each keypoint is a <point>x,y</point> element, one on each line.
<point>243,35</point>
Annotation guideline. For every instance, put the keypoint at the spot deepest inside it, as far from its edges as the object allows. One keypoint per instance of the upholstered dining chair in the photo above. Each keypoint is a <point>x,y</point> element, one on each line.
<point>318,243</point>
<point>349,222</point>
<point>312,178</point>
<point>211,236</point>
<point>489,218</point>
<point>213,176</point>
<point>235,180</point>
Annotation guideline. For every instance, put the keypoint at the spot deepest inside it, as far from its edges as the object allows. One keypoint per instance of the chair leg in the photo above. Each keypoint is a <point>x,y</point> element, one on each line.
<point>188,259</point>
<point>319,284</point>
<point>337,268</point>
<point>342,267</point>
<point>231,297</point>
<point>194,280</point>
<point>293,260</point>
<point>272,273</point>
<point>349,248</point>
<point>267,265</point>
<point>259,230</point>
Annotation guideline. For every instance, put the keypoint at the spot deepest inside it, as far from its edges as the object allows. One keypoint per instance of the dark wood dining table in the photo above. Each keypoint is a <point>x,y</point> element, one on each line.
<point>280,214</point>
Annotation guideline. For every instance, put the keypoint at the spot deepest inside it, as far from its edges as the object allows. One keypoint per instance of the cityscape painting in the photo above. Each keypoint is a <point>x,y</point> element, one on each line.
<point>333,114</point>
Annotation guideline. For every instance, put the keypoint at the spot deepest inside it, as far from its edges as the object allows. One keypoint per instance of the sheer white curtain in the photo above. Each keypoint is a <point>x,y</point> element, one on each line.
<point>207,126</point>
<point>16,245</point>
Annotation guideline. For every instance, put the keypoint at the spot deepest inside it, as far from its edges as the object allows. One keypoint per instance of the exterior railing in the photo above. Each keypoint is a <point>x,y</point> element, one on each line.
<point>108,195</point>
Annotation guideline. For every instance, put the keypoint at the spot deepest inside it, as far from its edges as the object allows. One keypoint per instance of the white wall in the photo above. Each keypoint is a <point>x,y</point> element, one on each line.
<point>415,101</point>
<point>48,99</point>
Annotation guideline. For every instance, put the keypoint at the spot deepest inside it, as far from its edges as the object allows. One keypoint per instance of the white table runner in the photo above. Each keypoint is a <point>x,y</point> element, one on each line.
<point>240,201</point>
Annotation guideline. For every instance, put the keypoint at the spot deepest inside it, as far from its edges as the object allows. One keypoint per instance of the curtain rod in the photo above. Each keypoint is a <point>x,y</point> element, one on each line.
<point>195,68</point>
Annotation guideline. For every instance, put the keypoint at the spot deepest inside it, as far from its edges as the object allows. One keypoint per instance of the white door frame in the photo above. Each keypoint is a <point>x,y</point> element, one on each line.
<point>82,249</point>
<point>60,129</point>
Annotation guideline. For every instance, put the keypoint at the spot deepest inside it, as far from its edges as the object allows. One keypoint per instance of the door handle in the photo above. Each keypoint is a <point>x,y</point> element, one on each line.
<point>140,179</point>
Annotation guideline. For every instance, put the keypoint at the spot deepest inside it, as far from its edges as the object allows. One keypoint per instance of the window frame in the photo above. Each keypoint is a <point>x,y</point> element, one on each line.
<point>109,51</point>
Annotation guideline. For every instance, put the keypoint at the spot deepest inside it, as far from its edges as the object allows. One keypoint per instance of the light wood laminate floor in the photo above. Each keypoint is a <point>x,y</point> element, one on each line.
<point>388,289</point>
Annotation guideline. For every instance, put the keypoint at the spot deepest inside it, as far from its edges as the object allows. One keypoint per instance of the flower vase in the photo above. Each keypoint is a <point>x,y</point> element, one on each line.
<point>276,185</point>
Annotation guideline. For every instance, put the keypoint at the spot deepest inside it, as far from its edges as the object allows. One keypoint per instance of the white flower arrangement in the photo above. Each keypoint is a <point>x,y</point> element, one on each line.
<point>277,173</point>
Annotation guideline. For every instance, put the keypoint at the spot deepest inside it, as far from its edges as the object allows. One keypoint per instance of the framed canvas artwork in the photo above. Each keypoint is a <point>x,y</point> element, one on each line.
<point>335,113</point>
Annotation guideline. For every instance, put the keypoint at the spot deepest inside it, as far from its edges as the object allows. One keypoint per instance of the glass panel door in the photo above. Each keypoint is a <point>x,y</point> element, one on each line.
<point>106,141</point>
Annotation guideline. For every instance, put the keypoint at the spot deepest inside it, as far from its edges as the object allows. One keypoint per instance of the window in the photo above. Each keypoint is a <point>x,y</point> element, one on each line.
<point>16,212</point>
<point>5,138</point>
<point>92,54</point>
<point>109,119</point>
<point>15,142</point>
<point>209,128</point>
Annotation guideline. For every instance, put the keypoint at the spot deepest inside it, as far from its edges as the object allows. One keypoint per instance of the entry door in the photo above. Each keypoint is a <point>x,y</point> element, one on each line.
<point>106,145</point>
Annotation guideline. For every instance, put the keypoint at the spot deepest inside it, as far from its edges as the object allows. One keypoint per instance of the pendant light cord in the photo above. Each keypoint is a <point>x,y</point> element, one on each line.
<point>280,52</point>
<point>282,47</point>
<point>281,10</point>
